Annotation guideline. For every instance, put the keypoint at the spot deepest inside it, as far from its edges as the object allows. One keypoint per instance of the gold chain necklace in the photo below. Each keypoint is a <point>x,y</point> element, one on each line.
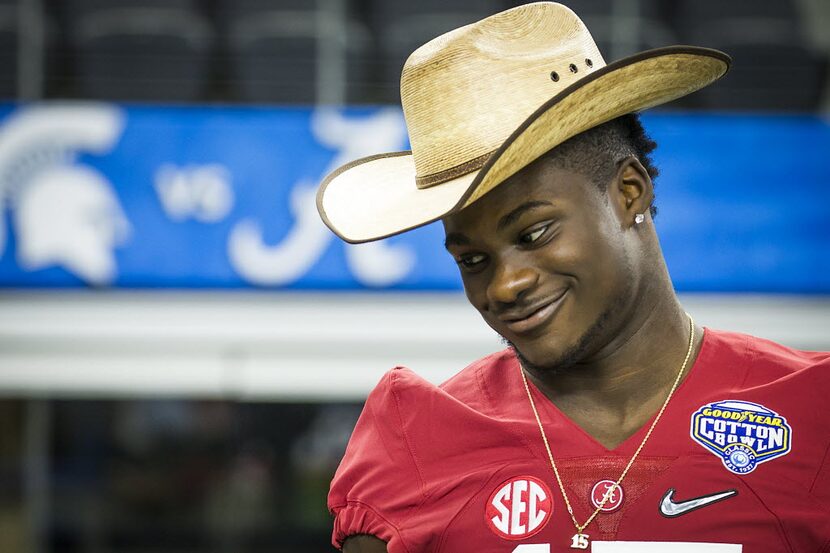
<point>580,540</point>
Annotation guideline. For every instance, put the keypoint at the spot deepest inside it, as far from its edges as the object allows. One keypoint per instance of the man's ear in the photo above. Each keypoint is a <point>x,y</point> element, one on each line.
<point>632,190</point>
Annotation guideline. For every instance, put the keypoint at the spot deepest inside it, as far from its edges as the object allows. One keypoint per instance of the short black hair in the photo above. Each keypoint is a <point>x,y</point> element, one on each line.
<point>597,152</point>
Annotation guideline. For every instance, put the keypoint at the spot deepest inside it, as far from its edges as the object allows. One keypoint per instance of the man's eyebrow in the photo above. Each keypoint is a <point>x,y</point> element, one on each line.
<point>519,211</point>
<point>459,239</point>
<point>455,239</point>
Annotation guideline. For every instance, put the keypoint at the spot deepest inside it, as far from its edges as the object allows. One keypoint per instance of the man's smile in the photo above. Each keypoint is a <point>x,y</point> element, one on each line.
<point>527,319</point>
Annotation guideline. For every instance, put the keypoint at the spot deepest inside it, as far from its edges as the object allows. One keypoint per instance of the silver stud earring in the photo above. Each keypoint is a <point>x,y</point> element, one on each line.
<point>639,218</point>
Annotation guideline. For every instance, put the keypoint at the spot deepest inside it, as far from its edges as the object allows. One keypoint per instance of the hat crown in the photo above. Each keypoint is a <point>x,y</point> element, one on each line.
<point>464,92</point>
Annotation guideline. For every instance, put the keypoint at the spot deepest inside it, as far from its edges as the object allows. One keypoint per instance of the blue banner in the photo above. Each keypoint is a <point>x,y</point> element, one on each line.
<point>199,197</point>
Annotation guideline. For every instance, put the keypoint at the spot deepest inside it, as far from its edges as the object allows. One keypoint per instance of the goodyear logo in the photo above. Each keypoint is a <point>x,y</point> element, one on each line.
<point>741,433</point>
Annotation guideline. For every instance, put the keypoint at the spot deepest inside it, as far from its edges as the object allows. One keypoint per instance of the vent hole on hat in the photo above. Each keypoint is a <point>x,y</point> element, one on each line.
<point>588,62</point>
<point>573,68</point>
<point>554,76</point>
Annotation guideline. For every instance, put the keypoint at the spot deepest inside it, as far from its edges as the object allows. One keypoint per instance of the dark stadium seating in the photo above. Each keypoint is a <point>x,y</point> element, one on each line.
<point>774,67</point>
<point>700,18</point>
<point>8,49</point>
<point>304,51</point>
<point>767,76</point>
<point>140,49</point>
<point>286,51</point>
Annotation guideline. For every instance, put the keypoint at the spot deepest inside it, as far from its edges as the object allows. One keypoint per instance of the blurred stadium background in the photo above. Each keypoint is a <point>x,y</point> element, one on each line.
<point>184,348</point>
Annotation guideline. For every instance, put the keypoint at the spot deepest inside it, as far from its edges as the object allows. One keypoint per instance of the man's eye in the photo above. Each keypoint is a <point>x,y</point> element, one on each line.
<point>470,261</point>
<point>533,236</point>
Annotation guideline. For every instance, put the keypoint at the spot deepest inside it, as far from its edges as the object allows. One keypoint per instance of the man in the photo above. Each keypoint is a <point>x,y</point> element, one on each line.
<point>612,422</point>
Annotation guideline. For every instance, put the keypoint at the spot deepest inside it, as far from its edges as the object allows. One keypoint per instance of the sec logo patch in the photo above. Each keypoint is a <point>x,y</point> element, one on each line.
<point>519,507</point>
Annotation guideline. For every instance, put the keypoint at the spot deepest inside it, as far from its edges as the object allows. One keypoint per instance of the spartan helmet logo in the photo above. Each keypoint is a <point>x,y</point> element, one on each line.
<point>63,213</point>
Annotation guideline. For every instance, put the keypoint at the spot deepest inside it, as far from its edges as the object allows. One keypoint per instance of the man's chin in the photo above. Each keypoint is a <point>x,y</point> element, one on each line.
<point>541,364</point>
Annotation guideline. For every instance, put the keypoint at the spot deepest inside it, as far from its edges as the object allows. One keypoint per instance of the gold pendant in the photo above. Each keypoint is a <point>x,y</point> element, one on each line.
<point>579,541</point>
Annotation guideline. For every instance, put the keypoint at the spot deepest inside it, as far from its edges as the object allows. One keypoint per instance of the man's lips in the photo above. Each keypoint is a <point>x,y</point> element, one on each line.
<point>533,317</point>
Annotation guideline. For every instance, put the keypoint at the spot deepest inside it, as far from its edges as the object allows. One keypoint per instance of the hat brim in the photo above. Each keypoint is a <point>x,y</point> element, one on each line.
<point>376,197</point>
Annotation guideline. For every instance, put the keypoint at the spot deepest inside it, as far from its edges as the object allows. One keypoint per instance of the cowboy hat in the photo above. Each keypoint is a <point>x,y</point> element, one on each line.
<point>485,100</point>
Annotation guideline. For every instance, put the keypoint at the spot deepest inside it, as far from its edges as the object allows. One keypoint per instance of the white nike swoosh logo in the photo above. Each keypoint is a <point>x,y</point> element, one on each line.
<point>670,508</point>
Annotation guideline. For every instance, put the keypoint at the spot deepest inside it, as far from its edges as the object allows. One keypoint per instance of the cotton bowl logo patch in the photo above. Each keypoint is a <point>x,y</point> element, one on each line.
<point>741,433</point>
<point>518,508</point>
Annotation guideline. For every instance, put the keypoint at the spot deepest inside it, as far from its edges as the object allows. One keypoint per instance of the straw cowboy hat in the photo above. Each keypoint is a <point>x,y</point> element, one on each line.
<point>485,100</point>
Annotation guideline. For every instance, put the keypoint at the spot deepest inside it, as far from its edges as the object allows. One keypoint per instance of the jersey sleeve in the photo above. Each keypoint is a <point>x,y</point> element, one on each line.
<point>377,485</point>
<point>819,387</point>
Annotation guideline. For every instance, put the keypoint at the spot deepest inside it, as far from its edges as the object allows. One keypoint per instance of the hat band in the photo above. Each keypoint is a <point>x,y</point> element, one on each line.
<point>446,175</point>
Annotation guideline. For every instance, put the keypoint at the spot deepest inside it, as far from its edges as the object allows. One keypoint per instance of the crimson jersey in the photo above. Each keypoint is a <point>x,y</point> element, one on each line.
<point>740,456</point>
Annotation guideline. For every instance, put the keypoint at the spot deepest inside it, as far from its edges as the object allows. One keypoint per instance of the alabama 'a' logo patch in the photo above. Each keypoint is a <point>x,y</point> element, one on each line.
<point>607,496</point>
<point>741,433</point>
<point>519,507</point>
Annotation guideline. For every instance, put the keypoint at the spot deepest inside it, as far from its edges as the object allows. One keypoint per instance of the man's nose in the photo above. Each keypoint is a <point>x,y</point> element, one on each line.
<point>510,282</point>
